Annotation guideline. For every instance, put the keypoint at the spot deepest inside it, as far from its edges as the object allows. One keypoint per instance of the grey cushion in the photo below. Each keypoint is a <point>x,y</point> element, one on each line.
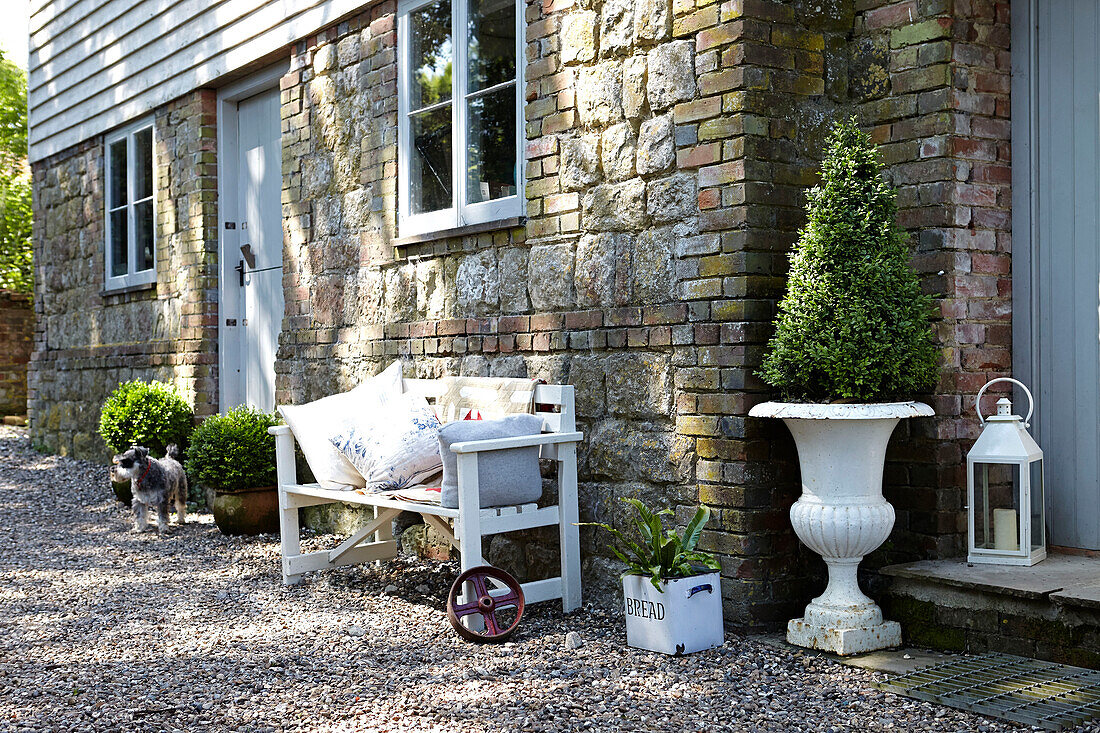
<point>505,477</point>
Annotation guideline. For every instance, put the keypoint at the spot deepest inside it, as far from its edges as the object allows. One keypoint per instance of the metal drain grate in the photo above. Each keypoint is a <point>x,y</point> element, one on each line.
<point>1028,691</point>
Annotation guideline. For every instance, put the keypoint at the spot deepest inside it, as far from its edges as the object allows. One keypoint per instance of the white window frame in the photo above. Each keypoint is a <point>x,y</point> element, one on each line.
<point>132,278</point>
<point>459,214</point>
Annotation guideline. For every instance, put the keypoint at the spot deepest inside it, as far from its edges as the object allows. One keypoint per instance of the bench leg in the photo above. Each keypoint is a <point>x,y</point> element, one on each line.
<point>289,539</point>
<point>469,524</point>
<point>568,532</point>
<point>385,532</point>
<point>288,513</point>
<point>469,504</point>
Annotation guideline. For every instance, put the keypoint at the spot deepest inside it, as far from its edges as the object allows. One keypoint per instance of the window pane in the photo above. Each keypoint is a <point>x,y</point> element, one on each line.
<point>119,251</point>
<point>116,187</point>
<point>430,55</point>
<point>430,161</point>
<point>997,507</point>
<point>143,233</point>
<point>143,164</point>
<point>492,38</point>
<point>491,159</point>
<point>1038,530</point>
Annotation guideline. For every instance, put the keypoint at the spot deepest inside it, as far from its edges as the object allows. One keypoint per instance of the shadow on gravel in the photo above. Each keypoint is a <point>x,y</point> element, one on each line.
<point>367,673</point>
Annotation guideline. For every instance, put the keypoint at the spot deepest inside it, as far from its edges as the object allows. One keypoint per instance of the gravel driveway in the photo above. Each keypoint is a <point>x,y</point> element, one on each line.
<point>105,630</point>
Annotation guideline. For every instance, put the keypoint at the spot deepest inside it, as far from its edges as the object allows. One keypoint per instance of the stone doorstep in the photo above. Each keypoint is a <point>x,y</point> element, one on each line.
<point>888,661</point>
<point>1070,580</point>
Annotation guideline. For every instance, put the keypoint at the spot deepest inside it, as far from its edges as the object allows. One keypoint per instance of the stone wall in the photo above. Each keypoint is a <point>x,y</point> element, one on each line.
<point>586,291</point>
<point>631,278</point>
<point>16,332</point>
<point>87,341</point>
<point>668,147</point>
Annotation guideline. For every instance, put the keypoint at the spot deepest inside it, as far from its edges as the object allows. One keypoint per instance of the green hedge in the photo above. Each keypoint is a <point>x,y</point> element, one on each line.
<point>233,452</point>
<point>854,324</point>
<point>152,414</point>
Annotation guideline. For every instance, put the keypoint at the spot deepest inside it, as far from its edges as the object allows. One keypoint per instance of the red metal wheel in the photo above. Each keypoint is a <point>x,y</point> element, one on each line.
<point>482,603</point>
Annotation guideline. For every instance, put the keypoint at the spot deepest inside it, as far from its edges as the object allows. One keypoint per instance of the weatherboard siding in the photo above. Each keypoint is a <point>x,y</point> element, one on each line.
<point>95,65</point>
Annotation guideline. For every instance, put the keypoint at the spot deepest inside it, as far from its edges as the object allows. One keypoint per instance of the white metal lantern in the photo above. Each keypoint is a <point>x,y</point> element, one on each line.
<point>1004,488</point>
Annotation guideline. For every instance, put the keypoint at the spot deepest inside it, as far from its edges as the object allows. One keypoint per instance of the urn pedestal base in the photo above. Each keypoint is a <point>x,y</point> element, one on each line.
<point>842,515</point>
<point>844,642</point>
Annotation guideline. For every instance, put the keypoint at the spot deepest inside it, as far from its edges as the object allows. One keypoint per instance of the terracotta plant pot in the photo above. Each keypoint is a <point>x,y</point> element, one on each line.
<point>123,492</point>
<point>249,512</point>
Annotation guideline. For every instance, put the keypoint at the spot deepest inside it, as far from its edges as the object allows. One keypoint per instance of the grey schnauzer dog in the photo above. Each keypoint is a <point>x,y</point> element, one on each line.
<point>154,483</point>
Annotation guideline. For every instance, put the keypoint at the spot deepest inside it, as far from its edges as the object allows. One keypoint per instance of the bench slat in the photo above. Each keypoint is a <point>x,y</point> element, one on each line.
<point>314,491</point>
<point>519,441</point>
<point>541,590</point>
<point>533,517</point>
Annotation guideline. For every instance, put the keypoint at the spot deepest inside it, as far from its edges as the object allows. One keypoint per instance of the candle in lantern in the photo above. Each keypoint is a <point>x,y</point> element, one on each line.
<point>1005,534</point>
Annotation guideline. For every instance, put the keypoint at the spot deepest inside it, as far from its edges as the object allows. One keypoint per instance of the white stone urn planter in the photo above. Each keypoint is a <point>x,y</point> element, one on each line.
<point>842,514</point>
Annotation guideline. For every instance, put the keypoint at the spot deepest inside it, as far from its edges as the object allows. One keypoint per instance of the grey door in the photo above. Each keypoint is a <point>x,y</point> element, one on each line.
<point>1065,274</point>
<point>261,242</point>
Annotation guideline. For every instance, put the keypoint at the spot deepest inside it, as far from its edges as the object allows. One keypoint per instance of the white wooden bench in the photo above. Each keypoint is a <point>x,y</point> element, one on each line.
<point>375,540</point>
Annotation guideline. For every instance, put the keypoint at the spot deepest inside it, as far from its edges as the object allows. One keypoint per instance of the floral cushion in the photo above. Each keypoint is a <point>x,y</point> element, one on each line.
<point>394,447</point>
<point>315,423</point>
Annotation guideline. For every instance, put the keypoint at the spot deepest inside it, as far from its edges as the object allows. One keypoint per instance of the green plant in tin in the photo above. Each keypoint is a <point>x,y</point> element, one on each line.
<point>660,553</point>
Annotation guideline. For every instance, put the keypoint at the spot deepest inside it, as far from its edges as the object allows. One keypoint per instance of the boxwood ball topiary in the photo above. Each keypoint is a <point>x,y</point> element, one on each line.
<point>151,414</point>
<point>854,324</point>
<point>233,452</point>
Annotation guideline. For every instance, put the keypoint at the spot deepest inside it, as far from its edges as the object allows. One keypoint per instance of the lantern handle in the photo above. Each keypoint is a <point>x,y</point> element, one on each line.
<point>1030,399</point>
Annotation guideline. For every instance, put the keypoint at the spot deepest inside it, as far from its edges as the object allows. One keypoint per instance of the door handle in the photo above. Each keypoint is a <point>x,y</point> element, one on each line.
<point>249,255</point>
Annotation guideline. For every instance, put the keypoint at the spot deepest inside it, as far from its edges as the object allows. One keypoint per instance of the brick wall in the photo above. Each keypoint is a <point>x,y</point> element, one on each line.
<point>786,64</point>
<point>16,331</point>
<point>933,87</point>
<point>85,341</point>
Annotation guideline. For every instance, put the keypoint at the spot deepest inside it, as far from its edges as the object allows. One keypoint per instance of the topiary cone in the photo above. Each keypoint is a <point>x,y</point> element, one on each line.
<point>854,324</point>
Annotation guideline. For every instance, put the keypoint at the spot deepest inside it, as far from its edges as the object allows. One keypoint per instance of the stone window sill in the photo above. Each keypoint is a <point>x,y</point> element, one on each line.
<point>488,226</point>
<point>137,288</point>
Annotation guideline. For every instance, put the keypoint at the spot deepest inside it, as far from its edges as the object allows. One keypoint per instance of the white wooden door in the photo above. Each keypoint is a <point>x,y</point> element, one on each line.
<point>1065,328</point>
<point>260,260</point>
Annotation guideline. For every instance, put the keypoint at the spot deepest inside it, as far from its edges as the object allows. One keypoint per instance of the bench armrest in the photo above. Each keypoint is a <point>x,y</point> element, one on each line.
<point>279,430</point>
<point>521,441</point>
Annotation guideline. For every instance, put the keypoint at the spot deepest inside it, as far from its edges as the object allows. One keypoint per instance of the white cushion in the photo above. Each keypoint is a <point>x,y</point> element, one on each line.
<point>394,447</point>
<point>314,424</point>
